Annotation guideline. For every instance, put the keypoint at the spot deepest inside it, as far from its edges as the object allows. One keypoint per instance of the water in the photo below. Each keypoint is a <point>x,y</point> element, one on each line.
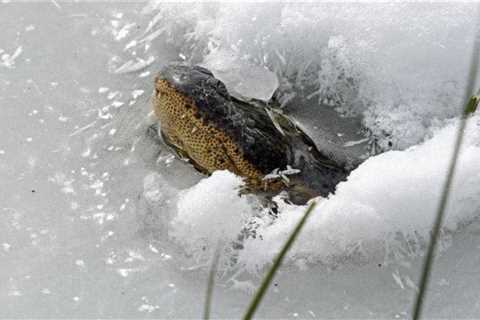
<point>97,219</point>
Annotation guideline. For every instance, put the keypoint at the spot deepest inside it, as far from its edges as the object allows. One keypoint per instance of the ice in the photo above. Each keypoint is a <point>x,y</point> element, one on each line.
<point>99,219</point>
<point>385,62</point>
<point>132,66</point>
<point>242,79</point>
<point>8,60</point>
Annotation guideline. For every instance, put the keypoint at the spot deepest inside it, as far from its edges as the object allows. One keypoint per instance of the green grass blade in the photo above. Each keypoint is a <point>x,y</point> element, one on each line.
<point>254,304</point>
<point>471,103</point>
<point>211,283</point>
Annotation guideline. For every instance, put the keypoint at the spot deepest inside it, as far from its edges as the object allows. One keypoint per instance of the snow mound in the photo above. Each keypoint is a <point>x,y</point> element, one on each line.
<point>209,213</point>
<point>390,194</point>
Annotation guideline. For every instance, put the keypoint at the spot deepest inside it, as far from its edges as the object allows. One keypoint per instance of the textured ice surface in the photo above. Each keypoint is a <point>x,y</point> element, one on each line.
<point>386,62</point>
<point>242,79</point>
<point>99,219</point>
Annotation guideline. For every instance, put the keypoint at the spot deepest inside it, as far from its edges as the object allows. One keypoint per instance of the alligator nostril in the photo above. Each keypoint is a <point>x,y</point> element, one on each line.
<point>158,93</point>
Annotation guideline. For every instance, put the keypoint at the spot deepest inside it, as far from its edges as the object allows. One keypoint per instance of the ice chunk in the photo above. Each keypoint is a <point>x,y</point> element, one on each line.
<point>242,78</point>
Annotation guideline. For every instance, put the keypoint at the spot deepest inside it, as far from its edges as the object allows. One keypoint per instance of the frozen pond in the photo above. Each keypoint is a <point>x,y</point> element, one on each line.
<point>98,219</point>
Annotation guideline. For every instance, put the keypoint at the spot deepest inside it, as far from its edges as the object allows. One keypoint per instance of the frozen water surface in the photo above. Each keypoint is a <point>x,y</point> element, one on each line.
<point>99,219</point>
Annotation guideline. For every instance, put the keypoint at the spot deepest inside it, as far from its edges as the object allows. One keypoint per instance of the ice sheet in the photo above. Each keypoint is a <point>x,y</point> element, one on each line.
<point>99,219</point>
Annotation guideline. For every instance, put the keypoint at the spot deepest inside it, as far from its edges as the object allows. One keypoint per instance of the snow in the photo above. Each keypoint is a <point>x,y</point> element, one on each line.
<point>389,194</point>
<point>383,61</point>
<point>8,60</point>
<point>99,219</point>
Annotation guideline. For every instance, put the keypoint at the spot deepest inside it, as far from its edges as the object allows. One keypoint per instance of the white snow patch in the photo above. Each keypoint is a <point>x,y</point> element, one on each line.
<point>210,212</point>
<point>8,60</point>
<point>396,192</point>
